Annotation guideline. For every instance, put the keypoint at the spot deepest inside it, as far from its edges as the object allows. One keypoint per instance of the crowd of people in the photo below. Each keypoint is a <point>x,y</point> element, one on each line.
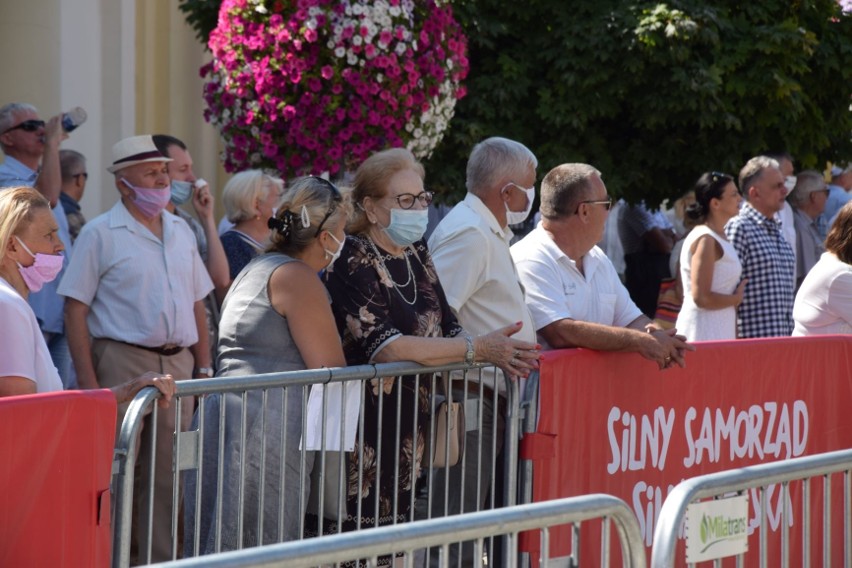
<point>306,274</point>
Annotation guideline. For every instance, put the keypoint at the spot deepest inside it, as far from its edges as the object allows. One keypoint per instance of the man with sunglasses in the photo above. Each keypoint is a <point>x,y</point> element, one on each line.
<point>573,292</point>
<point>470,249</point>
<point>31,148</point>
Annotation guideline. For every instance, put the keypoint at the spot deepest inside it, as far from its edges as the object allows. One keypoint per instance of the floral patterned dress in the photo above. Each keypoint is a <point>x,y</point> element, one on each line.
<point>375,301</point>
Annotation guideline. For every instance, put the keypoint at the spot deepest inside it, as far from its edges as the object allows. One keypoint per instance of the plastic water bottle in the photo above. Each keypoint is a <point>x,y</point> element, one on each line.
<point>73,118</point>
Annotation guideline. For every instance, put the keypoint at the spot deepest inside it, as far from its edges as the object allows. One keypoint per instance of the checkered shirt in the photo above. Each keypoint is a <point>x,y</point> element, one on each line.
<point>770,266</point>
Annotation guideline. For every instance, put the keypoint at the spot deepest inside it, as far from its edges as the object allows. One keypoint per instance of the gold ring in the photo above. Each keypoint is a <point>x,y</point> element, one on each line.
<point>515,354</point>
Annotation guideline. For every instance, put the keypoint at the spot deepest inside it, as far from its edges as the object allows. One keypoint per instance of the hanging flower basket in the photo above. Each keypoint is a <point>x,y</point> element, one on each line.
<point>313,86</point>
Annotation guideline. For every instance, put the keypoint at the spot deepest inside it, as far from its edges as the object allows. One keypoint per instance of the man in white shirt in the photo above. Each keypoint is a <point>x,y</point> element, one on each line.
<point>572,290</point>
<point>134,286</point>
<point>470,249</point>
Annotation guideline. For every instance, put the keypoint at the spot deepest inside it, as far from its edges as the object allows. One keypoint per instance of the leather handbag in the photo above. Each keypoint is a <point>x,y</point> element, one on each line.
<point>449,429</point>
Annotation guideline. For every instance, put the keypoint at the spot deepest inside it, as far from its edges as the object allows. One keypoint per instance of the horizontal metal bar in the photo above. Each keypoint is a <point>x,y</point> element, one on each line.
<point>435,532</point>
<point>310,377</point>
<point>674,508</point>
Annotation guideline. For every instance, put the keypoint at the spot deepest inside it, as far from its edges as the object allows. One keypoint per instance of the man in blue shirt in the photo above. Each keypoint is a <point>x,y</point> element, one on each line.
<point>31,146</point>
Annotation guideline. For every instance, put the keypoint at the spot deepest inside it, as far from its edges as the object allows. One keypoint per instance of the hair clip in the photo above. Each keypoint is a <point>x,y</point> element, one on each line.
<point>282,225</point>
<point>306,219</point>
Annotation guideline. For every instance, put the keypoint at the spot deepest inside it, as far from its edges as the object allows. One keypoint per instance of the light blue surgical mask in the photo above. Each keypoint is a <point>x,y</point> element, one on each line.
<point>407,226</point>
<point>181,191</point>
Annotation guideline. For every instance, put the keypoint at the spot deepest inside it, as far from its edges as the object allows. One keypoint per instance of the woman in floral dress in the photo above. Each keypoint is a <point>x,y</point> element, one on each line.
<point>389,306</point>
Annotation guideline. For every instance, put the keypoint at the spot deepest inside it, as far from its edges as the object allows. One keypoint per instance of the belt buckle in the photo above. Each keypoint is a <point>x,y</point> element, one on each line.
<point>169,347</point>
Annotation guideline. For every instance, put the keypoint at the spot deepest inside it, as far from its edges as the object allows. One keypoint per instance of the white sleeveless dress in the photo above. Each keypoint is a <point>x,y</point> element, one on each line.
<point>699,324</point>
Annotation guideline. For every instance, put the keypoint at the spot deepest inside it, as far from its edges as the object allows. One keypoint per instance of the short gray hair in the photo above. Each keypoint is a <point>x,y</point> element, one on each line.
<point>7,114</point>
<point>807,182</point>
<point>753,169</point>
<point>69,162</point>
<point>244,189</point>
<point>563,188</point>
<point>495,159</point>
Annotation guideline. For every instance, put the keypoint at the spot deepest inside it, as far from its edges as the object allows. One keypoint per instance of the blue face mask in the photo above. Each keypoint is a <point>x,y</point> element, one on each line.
<point>407,225</point>
<point>181,191</point>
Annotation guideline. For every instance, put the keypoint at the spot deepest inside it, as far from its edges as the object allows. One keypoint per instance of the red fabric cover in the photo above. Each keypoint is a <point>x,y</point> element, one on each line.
<point>55,462</point>
<point>585,396</point>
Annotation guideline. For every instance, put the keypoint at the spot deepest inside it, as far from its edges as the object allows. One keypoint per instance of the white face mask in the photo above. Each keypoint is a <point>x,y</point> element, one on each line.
<point>336,254</point>
<point>790,183</point>
<point>517,217</point>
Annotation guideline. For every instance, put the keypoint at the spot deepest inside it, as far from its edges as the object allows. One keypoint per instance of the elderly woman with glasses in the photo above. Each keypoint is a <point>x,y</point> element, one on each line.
<point>823,303</point>
<point>276,317</point>
<point>389,306</point>
<point>709,266</point>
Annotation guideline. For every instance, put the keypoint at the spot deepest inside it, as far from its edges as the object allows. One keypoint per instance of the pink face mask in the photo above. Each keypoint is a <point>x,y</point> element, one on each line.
<point>45,268</point>
<point>150,201</point>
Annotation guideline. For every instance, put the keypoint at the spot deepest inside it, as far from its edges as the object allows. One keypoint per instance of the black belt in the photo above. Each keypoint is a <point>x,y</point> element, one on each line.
<point>166,350</point>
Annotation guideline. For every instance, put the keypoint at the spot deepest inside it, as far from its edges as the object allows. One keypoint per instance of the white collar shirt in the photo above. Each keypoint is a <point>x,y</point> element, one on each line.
<point>139,289</point>
<point>471,255</point>
<point>556,289</point>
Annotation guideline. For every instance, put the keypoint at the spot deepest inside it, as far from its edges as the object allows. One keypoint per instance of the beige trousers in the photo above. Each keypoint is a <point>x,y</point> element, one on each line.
<point>115,363</point>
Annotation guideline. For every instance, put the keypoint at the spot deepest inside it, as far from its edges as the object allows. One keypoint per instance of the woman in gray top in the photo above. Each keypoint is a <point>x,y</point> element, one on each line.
<point>276,317</point>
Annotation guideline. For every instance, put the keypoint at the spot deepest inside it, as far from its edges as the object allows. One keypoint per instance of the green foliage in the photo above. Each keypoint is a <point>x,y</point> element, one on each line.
<point>650,93</point>
<point>202,15</point>
<point>653,94</point>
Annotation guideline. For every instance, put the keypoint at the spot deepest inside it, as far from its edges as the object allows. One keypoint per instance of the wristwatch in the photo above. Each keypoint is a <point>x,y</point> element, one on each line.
<point>470,354</point>
<point>206,371</point>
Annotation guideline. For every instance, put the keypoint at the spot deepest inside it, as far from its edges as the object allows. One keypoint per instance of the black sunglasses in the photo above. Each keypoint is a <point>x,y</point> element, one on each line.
<point>336,198</point>
<point>27,126</point>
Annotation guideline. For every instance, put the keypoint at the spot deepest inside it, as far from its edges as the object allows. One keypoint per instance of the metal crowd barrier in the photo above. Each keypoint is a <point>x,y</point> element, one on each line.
<point>365,547</point>
<point>252,507</point>
<point>724,483</point>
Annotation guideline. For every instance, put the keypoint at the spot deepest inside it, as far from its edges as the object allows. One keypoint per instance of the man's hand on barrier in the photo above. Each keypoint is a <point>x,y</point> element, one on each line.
<point>164,383</point>
<point>667,348</point>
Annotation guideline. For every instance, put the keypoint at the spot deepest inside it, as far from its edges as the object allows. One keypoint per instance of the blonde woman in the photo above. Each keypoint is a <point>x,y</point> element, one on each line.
<point>250,200</point>
<point>31,256</point>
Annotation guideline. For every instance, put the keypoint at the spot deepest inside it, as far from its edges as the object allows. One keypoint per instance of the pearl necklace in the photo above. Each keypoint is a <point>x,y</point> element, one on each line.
<point>396,284</point>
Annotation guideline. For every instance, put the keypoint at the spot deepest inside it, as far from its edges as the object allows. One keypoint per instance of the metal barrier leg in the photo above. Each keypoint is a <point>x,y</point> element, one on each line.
<point>528,419</point>
<point>466,487</point>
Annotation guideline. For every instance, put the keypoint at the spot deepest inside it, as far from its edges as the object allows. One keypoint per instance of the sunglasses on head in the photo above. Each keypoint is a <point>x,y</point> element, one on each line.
<point>27,126</point>
<point>336,198</point>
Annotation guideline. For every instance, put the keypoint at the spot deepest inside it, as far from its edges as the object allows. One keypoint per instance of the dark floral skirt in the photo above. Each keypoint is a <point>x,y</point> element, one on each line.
<point>381,478</point>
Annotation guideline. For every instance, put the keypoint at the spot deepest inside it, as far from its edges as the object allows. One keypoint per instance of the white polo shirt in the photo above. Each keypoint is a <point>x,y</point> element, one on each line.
<point>471,254</point>
<point>139,289</point>
<point>556,289</point>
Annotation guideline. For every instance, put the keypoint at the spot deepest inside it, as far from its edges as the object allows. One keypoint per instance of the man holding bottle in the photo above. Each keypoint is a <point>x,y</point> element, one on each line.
<point>31,146</point>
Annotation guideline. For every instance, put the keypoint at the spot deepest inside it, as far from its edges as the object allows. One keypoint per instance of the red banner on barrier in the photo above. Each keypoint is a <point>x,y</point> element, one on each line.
<point>55,469</point>
<point>618,425</point>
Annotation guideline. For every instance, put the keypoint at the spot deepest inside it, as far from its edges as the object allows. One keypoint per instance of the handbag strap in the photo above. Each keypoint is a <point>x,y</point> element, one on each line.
<point>445,386</point>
